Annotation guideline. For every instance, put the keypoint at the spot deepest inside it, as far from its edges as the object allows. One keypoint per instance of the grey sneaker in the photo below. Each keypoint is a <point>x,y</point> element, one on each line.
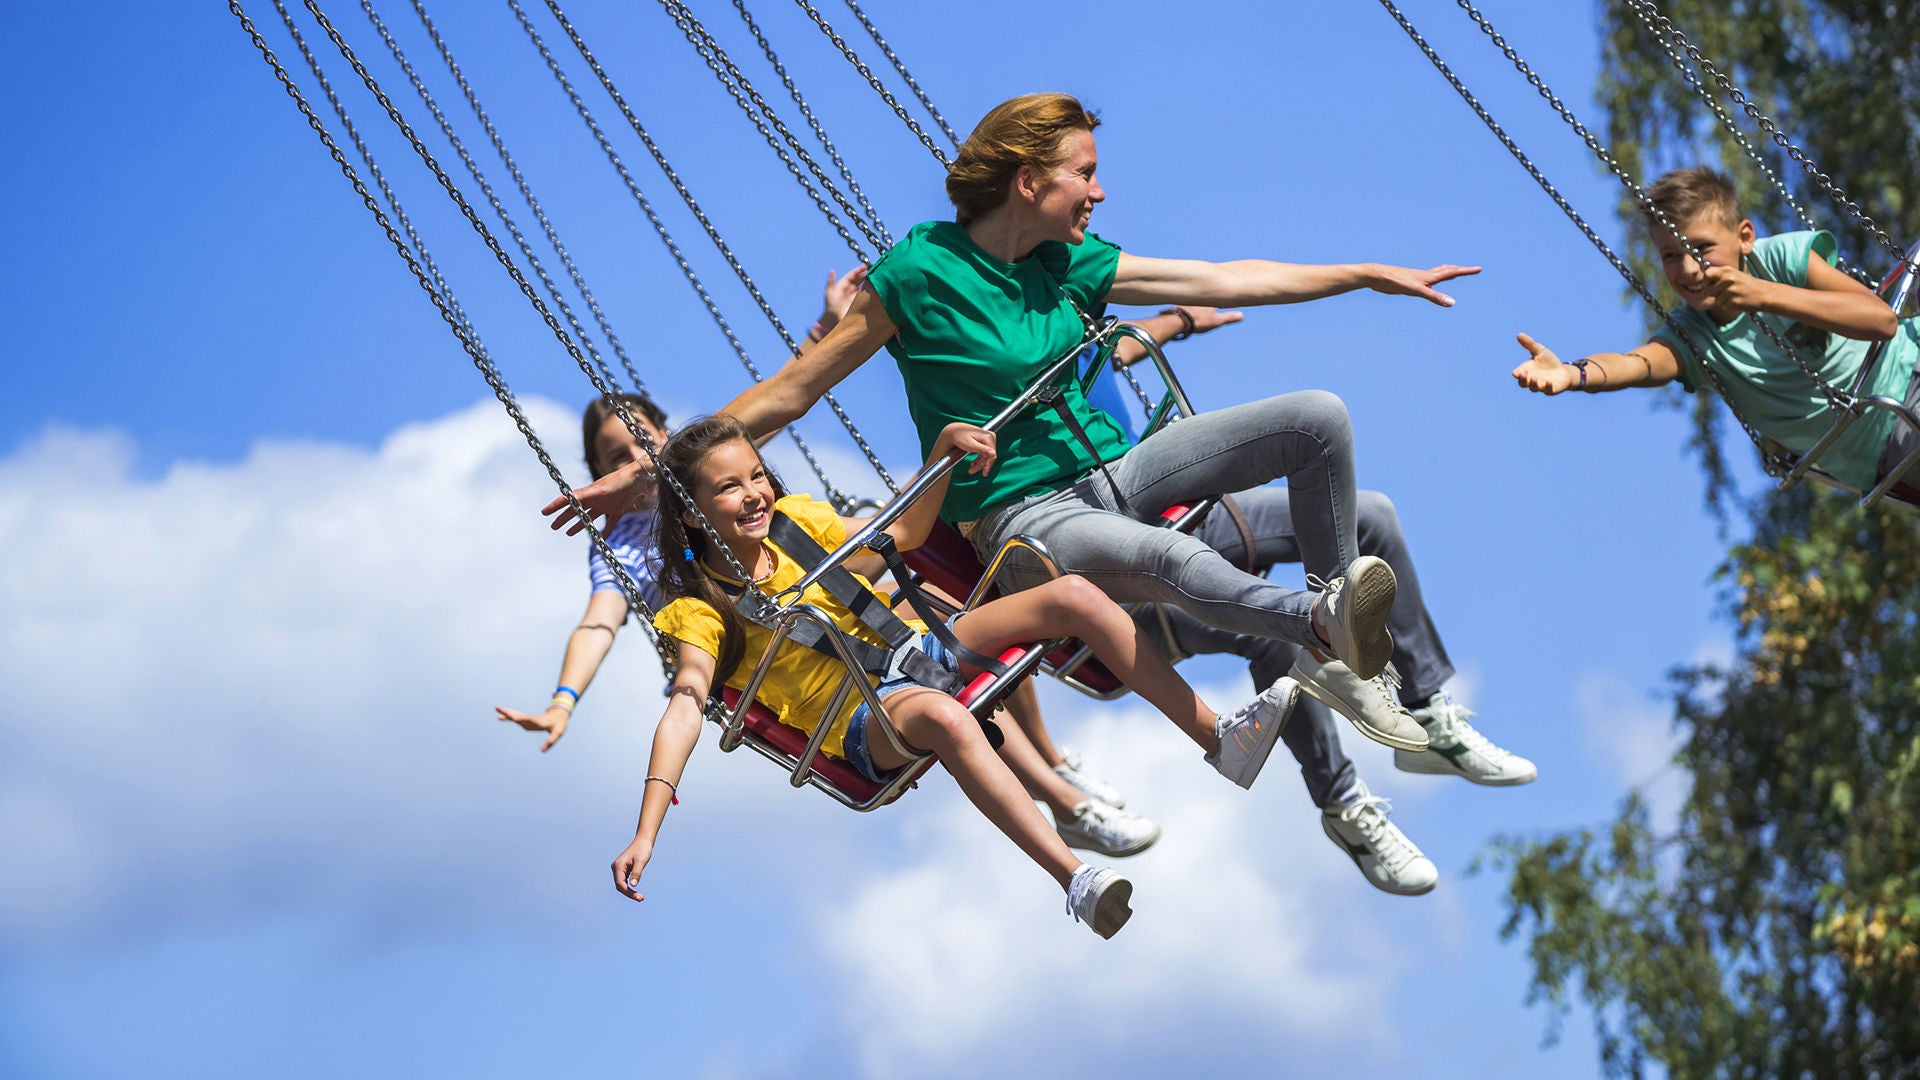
<point>1373,705</point>
<point>1454,748</point>
<point>1098,897</point>
<point>1073,770</point>
<point>1353,608</point>
<point>1111,832</point>
<point>1249,733</point>
<point>1383,853</point>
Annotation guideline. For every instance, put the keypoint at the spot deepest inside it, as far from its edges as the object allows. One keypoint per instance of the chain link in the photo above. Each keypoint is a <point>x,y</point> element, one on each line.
<point>760,113</point>
<point>1663,27</point>
<point>874,32</point>
<point>442,302</point>
<point>713,234</point>
<point>873,80</point>
<point>673,248</point>
<point>533,203</point>
<point>513,271</point>
<point>1627,273</point>
<point>833,152</point>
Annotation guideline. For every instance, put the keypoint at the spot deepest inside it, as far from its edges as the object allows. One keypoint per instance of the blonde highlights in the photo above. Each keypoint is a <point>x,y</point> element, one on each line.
<point>1028,130</point>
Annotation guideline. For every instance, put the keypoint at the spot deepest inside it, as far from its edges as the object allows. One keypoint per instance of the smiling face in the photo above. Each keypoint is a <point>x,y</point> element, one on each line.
<point>733,488</point>
<point>1063,199</point>
<point>615,446</point>
<point>1719,243</point>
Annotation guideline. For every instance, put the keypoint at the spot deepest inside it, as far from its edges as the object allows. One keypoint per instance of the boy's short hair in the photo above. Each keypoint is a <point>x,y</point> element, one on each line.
<point>1684,194</point>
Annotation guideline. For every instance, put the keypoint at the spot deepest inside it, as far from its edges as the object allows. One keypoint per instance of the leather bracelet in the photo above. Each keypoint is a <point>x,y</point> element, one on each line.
<point>1184,318</point>
<point>1582,365</point>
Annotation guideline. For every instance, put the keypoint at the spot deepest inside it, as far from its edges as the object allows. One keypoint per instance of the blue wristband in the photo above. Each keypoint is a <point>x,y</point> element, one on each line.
<point>569,691</point>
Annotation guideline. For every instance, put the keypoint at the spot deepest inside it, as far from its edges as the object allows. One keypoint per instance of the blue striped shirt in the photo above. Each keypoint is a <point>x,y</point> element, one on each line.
<point>632,541</point>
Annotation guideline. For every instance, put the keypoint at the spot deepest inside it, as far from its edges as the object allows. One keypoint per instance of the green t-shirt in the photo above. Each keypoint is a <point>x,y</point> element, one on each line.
<point>974,332</point>
<point>1771,391</point>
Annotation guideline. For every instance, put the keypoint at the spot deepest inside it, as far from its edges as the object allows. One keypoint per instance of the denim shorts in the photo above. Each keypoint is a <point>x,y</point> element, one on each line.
<point>854,744</point>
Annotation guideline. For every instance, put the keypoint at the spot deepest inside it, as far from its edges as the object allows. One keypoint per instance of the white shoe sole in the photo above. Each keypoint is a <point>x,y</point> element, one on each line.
<point>1368,644</point>
<point>1339,704</point>
<point>1111,911</point>
<point>1432,763</point>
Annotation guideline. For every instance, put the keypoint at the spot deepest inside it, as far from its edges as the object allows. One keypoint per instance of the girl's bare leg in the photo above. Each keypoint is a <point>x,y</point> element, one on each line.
<point>1024,706</point>
<point>1074,607</point>
<point>930,719</point>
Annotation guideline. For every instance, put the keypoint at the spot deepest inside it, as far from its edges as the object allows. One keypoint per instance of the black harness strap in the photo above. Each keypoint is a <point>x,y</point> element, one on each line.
<point>1252,560</point>
<point>1052,398</point>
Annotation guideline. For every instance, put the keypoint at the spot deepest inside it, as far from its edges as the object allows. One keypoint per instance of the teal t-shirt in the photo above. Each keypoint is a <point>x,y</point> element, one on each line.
<point>1771,391</point>
<point>973,332</point>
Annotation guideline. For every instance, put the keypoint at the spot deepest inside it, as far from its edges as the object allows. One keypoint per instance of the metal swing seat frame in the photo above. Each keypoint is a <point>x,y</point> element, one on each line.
<point>947,562</point>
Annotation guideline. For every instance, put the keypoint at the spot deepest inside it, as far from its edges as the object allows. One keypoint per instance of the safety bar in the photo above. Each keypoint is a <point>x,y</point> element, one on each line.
<point>1897,289</point>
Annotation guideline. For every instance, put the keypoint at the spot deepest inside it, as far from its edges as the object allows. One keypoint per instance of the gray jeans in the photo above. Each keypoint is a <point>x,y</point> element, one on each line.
<point>1108,532</point>
<point>1312,734</point>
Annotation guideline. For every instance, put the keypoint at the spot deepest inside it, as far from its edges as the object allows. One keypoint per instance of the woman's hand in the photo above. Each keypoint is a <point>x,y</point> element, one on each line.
<point>967,439</point>
<point>612,496</point>
<point>1543,373</point>
<point>629,864</point>
<point>1402,281</point>
<point>553,722</point>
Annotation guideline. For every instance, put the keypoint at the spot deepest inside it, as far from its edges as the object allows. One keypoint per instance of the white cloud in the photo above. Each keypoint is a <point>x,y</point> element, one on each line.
<point>1632,730</point>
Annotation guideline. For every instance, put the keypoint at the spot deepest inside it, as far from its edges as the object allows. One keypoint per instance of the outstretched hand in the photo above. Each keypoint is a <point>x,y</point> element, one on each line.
<point>1207,318</point>
<point>1543,372</point>
<point>967,439</point>
<point>628,865</point>
<point>839,294</point>
<point>553,722</point>
<point>1403,281</point>
<point>612,497</point>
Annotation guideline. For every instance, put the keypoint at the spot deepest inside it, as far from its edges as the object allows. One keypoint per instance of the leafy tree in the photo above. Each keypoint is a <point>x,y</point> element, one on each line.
<point>1772,928</point>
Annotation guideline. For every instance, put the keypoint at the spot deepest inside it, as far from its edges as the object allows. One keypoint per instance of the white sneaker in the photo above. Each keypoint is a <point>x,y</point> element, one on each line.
<point>1454,748</point>
<point>1111,832</point>
<point>1373,705</point>
<point>1249,733</point>
<point>1098,897</point>
<point>1377,846</point>
<point>1353,608</point>
<point>1073,770</point>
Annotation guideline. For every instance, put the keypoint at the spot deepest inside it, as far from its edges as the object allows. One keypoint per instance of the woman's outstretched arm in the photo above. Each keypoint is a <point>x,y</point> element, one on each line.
<point>787,395</point>
<point>1252,282</point>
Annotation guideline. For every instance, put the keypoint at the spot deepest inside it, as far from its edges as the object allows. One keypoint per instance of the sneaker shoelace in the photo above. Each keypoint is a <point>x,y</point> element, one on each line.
<point>1450,722</point>
<point>1369,813</point>
<point>1078,888</point>
<point>1099,820</point>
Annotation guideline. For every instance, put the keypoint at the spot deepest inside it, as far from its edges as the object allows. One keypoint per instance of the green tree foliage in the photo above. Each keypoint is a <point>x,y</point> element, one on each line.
<point>1772,927</point>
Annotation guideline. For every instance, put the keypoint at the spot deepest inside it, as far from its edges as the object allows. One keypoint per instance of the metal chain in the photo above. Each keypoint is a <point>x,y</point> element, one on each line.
<point>713,234</point>
<point>833,152</point>
<point>533,203</point>
<point>873,80</point>
<point>469,343</point>
<point>1664,26</point>
<point>760,113</point>
<point>906,75</point>
<point>1835,397</point>
<point>1626,272</point>
<point>486,189</point>
<point>673,248</point>
<point>526,289</point>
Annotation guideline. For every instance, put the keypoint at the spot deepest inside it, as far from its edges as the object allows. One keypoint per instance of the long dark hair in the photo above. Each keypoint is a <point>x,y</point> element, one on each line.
<point>596,416</point>
<point>680,575</point>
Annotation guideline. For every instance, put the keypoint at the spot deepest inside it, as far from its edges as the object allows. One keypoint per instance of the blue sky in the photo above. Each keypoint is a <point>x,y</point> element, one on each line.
<point>269,554</point>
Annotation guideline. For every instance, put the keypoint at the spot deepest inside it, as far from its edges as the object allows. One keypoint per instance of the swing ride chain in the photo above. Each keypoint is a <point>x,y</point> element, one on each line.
<point>1834,398</point>
<point>519,279</point>
<point>526,192</point>
<point>660,227</point>
<point>1664,26</point>
<point>713,234</point>
<point>736,83</point>
<point>833,152</point>
<point>1626,272</point>
<point>874,32</point>
<point>873,80</point>
<point>468,342</point>
<point>493,200</point>
<point>1646,13</point>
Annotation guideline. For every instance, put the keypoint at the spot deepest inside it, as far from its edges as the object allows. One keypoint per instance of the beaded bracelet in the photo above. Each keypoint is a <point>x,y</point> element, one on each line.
<point>670,787</point>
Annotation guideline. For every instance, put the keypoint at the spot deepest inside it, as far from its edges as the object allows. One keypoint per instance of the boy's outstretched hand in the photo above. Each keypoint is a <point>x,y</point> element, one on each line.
<point>1543,373</point>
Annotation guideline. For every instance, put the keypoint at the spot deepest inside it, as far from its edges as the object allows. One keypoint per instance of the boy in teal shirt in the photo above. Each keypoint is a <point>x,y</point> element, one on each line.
<point>1788,282</point>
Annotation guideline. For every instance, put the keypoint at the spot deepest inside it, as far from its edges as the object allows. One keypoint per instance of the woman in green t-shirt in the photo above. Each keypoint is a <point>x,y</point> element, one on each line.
<point>972,310</point>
